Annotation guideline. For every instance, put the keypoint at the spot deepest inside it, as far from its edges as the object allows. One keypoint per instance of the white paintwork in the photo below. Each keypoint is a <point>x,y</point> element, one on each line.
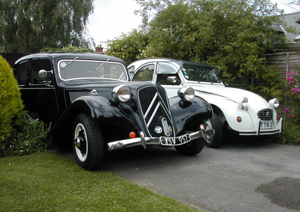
<point>224,98</point>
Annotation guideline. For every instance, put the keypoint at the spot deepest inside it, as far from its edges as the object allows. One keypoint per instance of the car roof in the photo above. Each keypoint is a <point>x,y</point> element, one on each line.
<point>179,62</point>
<point>71,55</point>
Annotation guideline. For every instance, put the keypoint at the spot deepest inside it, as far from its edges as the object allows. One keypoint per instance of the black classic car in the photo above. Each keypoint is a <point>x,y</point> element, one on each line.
<point>89,100</point>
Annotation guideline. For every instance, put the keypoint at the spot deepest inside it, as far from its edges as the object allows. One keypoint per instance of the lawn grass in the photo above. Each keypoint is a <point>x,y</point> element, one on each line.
<point>50,182</point>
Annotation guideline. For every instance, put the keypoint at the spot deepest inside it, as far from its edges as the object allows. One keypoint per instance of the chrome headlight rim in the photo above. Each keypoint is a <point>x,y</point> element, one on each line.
<point>274,103</point>
<point>186,94</point>
<point>121,93</point>
<point>243,103</point>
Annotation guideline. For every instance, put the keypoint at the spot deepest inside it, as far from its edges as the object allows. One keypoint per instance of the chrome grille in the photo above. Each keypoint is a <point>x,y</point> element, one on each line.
<point>265,115</point>
<point>155,111</point>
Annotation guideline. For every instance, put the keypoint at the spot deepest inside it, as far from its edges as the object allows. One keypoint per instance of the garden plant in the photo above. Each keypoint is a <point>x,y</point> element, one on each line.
<point>291,127</point>
<point>19,134</point>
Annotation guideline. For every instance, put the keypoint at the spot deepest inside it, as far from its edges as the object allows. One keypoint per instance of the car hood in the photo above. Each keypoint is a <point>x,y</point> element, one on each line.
<point>233,94</point>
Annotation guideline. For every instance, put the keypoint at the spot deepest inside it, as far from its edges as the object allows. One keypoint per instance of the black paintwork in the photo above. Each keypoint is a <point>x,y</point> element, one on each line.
<point>60,101</point>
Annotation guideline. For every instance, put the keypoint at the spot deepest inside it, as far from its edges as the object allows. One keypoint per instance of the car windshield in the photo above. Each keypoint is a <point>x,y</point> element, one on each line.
<point>200,74</point>
<point>72,69</point>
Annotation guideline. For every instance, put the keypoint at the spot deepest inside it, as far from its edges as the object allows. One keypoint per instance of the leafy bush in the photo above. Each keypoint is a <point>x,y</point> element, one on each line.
<point>10,101</point>
<point>19,134</point>
<point>31,137</point>
<point>290,133</point>
<point>293,80</point>
<point>291,126</point>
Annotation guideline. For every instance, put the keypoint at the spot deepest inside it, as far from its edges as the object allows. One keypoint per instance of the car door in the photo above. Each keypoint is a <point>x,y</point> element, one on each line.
<point>166,74</point>
<point>143,73</point>
<point>36,83</point>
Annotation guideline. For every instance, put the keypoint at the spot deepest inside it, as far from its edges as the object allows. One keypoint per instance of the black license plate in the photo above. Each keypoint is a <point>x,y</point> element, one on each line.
<point>175,141</point>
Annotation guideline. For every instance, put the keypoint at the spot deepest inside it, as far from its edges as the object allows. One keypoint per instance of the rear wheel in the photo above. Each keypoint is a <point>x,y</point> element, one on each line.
<point>215,140</point>
<point>88,144</point>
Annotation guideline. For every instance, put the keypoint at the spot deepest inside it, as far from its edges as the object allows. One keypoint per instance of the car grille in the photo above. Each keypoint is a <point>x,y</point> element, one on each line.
<point>265,115</point>
<point>155,111</point>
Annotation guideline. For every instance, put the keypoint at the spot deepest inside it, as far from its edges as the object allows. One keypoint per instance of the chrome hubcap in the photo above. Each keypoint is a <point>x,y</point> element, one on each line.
<point>80,142</point>
<point>209,127</point>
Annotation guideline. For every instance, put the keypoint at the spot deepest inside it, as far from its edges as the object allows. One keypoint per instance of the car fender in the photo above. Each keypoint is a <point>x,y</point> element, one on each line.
<point>225,104</point>
<point>99,108</point>
<point>188,114</point>
<point>231,112</point>
<point>228,107</point>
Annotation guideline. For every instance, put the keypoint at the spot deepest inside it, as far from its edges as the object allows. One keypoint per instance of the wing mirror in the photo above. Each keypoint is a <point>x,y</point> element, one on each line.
<point>42,74</point>
<point>172,79</point>
<point>44,77</point>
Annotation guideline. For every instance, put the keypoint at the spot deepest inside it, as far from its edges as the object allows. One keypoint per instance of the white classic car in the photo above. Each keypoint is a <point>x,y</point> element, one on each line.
<point>236,111</point>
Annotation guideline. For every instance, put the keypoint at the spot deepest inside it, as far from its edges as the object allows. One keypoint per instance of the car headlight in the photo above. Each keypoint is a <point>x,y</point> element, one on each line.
<point>186,93</point>
<point>121,93</point>
<point>274,103</point>
<point>243,103</point>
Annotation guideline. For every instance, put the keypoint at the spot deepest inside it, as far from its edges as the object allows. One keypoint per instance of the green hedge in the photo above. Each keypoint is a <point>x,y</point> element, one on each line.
<point>10,101</point>
<point>19,133</point>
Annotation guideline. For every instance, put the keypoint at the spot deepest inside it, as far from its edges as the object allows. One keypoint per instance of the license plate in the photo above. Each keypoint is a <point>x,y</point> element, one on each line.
<point>175,141</point>
<point>266,124</point>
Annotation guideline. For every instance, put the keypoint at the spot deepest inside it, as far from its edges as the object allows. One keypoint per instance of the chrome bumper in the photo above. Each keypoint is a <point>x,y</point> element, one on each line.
<point>271,131</point>
<point>144,141</point>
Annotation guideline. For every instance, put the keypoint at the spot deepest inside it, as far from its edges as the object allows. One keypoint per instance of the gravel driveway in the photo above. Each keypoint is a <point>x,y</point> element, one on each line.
<point>240,176</point>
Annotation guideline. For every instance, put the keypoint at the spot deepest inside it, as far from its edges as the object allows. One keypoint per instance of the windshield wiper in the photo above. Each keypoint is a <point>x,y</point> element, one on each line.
<point>70,62</point>
<point>101,64</point>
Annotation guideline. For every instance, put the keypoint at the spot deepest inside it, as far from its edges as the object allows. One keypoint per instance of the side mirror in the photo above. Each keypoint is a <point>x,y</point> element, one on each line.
<point>172,79</point>
<point>42,74</point>
<point>45,77</point>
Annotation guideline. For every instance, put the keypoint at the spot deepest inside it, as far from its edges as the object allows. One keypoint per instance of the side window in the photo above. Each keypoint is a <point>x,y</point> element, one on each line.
<point>21,73</point>
<point>166,68</point>
<point>144,74</point>
<point>167,74</point>
<point>41,72</point>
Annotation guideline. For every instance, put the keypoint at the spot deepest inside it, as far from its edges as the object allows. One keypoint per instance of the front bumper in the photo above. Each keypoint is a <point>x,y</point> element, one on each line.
<point>276,130</point>
<point>144,141</point>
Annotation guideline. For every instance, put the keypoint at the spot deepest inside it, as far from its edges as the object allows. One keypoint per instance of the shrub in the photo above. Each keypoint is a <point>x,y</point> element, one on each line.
<point>10,101</point>
<point>31,137</point>
<point>291,126</point>
<point>293,80</point>
<point>19,134</point>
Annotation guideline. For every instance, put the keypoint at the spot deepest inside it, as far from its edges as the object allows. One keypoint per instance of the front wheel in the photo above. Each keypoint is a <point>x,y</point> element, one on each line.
<point>88,144</point>
<point>215,140</point>
<point>192,148</point>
